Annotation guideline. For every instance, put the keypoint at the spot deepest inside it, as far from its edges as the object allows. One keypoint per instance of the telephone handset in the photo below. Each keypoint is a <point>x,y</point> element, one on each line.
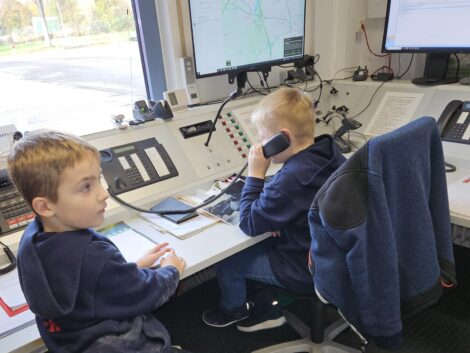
<point>131,166</point>
<point>276,144</point>
<point>454,122</point>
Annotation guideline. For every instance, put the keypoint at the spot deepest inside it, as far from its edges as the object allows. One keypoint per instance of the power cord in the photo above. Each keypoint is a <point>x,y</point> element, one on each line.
<point>11,257</point>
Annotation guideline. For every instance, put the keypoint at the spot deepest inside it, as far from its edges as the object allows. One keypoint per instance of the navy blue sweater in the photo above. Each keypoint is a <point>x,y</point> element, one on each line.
<point>282,204</point>
<point>87,298</point>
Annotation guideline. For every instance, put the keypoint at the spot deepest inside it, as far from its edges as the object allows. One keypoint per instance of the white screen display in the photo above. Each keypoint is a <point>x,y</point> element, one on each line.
<point>236,34</point>
<point>420,25</point>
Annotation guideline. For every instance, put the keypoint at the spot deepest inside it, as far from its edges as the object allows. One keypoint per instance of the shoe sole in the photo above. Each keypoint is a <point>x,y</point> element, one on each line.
<point>223,325</point>
<point>264,325</point>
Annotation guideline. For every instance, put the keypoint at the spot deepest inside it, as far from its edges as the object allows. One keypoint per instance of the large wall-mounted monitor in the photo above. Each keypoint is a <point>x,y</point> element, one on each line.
<point>435,27</point>
<point>234,36</point>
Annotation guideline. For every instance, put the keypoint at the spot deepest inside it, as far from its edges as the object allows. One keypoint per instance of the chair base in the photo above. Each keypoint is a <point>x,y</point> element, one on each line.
<point>305,344</point>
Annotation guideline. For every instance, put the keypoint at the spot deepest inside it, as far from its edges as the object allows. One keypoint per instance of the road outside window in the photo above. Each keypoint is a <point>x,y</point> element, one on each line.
<point>68,64</point>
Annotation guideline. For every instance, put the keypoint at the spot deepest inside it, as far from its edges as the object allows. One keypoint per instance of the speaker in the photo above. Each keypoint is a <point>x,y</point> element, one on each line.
<point>189,79</point>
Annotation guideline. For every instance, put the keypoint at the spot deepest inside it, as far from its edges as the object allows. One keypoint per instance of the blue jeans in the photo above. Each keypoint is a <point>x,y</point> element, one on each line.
<point>232,273</point>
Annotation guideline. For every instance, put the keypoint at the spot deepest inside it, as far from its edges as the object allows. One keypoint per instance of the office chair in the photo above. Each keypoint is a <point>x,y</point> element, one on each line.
<point>316,338</point>
<point>381,232</point>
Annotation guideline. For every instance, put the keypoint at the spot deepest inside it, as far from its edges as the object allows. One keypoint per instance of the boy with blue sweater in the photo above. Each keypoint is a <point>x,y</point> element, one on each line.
<point>279,206</point>
<point>85,296</point>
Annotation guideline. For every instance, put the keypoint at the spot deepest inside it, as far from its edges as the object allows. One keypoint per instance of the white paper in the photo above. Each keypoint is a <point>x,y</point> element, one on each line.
<point>10,290</point>
<point>131,244</point>
<point>183,229</point>
<point>395,110</point>
<point>459,196</point>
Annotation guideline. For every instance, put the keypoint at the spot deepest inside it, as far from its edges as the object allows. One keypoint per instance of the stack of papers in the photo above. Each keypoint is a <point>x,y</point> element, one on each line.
<point>14,312</point>
<point>459,197</point>
<point>12,299</point>
<point>182,230</point>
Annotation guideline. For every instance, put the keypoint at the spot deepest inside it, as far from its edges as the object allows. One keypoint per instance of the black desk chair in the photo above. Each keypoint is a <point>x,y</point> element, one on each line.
<point>316,336</point>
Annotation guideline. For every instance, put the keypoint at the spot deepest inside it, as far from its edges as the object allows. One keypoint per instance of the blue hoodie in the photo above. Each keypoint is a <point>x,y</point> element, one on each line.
<point>282,204</point>
<point>87,298</point>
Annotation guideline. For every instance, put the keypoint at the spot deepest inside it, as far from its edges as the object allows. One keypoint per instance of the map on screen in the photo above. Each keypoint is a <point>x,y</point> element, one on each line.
<point>232,34</point>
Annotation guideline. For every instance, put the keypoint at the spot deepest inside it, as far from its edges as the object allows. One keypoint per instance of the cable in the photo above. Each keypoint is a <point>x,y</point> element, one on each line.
<point>232,96</point>
<point>188,210</point>
<point>408,68</point>
<point>11,257</point>
<point>363,28</point>
<point>458,65</point>
<point>371,99</point>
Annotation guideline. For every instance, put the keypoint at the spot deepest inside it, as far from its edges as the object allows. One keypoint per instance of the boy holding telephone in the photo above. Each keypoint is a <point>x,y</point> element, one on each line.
<point>279,206</point>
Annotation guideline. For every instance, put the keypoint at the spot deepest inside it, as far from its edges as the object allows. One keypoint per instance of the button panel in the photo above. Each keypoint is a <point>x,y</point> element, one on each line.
<point>237,135</point>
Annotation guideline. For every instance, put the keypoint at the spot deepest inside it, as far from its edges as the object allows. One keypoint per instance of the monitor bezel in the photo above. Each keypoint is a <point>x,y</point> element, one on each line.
<point>451,50</point>
<point>260,66</point>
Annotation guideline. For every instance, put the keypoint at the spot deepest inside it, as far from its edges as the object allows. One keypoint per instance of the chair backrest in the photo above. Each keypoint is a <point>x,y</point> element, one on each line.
<point>381,233</point>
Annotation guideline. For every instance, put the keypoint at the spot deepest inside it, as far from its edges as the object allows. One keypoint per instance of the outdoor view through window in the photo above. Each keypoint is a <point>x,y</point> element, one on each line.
<point>68,64</point>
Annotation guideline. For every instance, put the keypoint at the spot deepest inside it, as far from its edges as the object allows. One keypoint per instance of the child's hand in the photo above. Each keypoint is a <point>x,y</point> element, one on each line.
<point>257,164</point>
<point>152,255</point>
<point>173,260</point>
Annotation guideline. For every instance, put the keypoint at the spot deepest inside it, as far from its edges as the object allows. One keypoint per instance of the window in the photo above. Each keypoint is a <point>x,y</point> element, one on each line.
<point>68,64</point>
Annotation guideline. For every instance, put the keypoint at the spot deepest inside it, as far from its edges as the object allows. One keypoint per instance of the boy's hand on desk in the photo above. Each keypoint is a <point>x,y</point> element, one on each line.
<point>152,255</point>
<point>173,260</point>
<point>257,164</point>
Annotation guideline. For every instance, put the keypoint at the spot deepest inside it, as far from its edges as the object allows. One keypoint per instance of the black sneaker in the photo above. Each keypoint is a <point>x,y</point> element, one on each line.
<point>216,317</point>
<point>266,319</point>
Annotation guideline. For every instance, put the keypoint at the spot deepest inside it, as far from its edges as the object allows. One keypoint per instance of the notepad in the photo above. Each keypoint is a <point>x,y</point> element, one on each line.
<point>12,299</point>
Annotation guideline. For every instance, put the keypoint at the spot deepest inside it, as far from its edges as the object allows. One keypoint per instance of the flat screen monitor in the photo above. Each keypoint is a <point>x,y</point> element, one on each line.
<point>234,36</point>
<point>435,27</point>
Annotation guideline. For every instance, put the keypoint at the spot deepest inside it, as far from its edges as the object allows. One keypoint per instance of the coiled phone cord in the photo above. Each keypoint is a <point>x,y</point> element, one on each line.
<point>188,210</point>
<point>11,257</point>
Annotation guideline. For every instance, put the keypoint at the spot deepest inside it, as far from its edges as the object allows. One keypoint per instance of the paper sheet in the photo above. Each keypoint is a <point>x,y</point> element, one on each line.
<point>459,196</point>
<point>182,230</point>
<point>10,289</point>
<point>131,244</point>
<point>11,293</point>
<point>395,110</point>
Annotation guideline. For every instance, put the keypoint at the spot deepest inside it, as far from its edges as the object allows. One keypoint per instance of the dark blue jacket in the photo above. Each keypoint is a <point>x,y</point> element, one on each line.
<point>381,234</point>
<point>282,204</point>
<point>87,298</point>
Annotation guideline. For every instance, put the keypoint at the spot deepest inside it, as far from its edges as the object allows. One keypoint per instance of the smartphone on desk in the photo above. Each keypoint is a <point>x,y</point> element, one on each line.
<point>173,204</point>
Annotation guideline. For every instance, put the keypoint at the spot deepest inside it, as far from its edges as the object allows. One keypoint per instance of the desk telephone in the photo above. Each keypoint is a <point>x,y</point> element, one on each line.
<point>14,212</point>
<point>454,122</point>
<point>131,166</point>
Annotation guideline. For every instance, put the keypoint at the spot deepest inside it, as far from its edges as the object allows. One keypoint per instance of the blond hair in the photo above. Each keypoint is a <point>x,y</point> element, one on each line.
<point>38,160</point>
<point>286,108</point>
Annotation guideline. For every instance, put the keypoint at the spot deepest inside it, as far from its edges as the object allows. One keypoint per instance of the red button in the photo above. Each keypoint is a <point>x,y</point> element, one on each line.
<point>235,142</point>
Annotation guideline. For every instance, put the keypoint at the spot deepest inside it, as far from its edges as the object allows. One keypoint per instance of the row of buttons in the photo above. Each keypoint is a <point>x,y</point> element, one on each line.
<point>20,220</point>
<point>236,134</point>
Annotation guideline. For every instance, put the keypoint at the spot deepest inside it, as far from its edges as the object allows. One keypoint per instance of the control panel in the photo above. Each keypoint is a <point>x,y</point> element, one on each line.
<point>14,212</point>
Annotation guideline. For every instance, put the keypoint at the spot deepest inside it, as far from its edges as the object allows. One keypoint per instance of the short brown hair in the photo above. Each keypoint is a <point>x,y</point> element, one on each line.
<point>286,108</point>
<point>37,161</point>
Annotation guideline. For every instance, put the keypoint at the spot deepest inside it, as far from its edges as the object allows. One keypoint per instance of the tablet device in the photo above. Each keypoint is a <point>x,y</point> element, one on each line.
<point>173,204</point>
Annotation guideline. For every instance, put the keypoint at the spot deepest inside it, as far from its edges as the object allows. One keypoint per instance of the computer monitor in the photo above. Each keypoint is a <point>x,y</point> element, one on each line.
<point>435,27</point>
<point>238,36</point>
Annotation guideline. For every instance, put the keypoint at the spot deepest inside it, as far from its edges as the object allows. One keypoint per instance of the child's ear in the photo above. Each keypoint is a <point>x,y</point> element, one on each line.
<point>41,206</point>
<point>288,133</point>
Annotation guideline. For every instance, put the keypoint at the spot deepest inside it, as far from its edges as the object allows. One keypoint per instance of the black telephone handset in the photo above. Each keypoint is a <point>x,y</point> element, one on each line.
<point>276,144</point>
<point>454,122</point>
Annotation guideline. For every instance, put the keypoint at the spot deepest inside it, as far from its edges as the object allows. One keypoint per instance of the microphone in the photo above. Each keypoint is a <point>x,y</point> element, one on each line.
<point>232,96</point>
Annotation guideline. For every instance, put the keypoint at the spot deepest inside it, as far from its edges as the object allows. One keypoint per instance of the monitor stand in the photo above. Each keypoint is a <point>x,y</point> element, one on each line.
<point>242,76</point>
<point>435,71</point>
